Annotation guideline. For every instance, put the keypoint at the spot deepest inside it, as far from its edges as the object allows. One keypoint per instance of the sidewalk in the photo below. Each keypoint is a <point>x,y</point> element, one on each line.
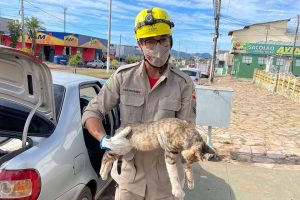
<point>227,181</point>
<point>264,129</point>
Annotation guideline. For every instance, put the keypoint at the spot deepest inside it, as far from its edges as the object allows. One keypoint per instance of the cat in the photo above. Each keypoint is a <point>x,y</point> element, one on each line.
<point>176,137</point>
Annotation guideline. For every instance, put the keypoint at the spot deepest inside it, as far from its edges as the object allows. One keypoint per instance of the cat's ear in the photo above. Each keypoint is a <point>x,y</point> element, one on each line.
<point>187,154</point>
<point>192,154</point>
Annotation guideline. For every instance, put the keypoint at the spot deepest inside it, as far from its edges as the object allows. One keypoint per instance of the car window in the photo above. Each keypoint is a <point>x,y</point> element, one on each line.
<point>59,93</point>
<point>87,92</point>
<point>190,73</point>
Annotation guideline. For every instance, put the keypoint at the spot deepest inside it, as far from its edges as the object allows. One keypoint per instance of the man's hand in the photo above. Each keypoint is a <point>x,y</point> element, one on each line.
<point>117,144</point>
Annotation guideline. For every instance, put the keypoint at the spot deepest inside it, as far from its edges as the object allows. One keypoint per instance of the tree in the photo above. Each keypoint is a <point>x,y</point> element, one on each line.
<point>14,32</point>
<point>33,25</point>
<point>114,64</point>
<point>76,60</point>
<point>131,59</point>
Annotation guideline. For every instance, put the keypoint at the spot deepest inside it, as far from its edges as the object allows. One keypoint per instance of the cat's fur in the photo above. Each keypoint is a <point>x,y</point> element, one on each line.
<point>176,137</point>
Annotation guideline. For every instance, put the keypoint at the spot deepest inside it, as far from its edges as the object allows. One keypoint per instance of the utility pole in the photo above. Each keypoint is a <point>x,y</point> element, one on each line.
<point>65,9</point>
<point>120,48</point>
<point>178,52</point>
<point>217,8</point>
<point>108,41</point>
<point>22,24</point>
<point>267,32</point>
<point>294,46</point>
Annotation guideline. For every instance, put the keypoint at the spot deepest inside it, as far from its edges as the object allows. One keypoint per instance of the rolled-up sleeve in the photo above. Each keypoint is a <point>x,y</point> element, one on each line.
<point>187,110</point>
<point>105,101</point>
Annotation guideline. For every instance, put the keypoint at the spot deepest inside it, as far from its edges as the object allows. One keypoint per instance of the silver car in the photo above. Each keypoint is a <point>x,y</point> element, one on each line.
<point>193,73</point>
<point>95,64</point>
<point>45,152</point>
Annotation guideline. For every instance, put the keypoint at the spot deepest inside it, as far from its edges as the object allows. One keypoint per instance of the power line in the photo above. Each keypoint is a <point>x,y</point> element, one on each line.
<point>43,10</point>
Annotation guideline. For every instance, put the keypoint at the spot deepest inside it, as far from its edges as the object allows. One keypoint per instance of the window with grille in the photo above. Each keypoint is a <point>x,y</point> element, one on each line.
<point>261,60</point>
<point>247,59</point>
<point>279,62</point>
<point>297,62</point>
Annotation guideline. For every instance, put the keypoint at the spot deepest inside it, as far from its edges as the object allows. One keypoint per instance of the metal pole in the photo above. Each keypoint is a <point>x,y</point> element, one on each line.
<point>294,46</point>
<point>120,49</point>
<point>22,24</point>
<point>267,32</point>
<point>217,5</point>
<point>108,42</point>
<point>65,9</point>
<point>208,141</point>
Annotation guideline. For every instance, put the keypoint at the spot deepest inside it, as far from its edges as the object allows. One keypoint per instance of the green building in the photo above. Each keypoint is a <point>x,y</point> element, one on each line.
<point>267,46</point>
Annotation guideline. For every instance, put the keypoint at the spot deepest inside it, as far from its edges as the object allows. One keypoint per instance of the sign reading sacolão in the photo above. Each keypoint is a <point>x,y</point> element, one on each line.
<point>266,49</point>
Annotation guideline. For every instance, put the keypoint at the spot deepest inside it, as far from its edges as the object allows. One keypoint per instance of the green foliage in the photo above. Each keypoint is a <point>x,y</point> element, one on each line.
<point>131,59</point>
<point>76,60</point>
<point>29,51</point>
<point>114,64</point>
<point>14,29</point>
<point>33,25</point>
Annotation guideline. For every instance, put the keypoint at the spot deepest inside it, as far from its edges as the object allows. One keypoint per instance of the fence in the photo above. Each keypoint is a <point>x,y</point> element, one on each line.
<point>284,84</point>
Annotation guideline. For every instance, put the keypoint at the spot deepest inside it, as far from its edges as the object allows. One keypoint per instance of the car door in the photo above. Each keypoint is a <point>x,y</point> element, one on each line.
<point>87,92</point>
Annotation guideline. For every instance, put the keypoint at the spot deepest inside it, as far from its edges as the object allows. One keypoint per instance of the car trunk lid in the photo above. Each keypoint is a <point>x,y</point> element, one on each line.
<point>26,81</point>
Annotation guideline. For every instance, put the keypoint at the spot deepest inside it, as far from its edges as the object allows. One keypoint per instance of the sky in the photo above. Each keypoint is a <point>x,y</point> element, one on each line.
<point>194,23</point>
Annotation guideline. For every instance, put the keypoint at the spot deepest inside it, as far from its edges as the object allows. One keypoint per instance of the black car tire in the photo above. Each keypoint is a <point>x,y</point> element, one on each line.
<point>85,194</point>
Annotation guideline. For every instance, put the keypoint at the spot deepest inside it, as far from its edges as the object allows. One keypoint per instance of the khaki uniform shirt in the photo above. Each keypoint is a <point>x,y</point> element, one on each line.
<point>170,97</point>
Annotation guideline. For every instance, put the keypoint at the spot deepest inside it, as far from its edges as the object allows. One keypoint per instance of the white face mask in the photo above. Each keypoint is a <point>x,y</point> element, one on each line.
<point>157,56</point>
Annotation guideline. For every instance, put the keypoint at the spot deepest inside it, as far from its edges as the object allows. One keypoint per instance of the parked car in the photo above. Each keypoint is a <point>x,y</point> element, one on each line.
<point>95,64</point>
<point>193,73</point>
<point>45,152</point>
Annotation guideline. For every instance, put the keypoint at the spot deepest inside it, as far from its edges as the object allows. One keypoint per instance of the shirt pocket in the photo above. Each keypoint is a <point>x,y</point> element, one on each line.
<point>167,108</point>
<point>131,108</point>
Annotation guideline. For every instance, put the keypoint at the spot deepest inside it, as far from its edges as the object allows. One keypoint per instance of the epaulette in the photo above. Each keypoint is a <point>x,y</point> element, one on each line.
<point>177,71</point>
<point>123,67</point>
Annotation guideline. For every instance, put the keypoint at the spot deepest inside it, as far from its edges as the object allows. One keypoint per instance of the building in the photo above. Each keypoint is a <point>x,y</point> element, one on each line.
<point>267,46</point>
<point>224,62</point>
<point>50,44</point>
<point>3,27</point>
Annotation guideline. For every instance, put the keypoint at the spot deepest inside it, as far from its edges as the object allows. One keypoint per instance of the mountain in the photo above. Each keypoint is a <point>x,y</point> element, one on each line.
<point>181,54</point>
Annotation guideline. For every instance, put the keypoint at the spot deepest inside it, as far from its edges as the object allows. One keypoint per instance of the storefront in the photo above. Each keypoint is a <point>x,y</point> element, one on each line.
<point>49,44</point>
<point>271,56</point>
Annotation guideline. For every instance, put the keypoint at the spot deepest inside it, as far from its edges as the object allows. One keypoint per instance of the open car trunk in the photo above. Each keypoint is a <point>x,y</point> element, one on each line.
<point>26,101</point>
<point>11,147</point>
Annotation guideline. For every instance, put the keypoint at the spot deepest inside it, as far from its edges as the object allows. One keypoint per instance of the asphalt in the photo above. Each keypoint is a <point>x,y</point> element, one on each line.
<point>228,181</point>
<point>237,181</point>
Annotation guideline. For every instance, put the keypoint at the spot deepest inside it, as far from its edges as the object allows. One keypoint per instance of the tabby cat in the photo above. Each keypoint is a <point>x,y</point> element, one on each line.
<point>176,137</point>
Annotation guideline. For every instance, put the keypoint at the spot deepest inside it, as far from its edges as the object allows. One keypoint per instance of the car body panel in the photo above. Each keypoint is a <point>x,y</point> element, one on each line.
<point>26,81</point>
<point>62,159</point>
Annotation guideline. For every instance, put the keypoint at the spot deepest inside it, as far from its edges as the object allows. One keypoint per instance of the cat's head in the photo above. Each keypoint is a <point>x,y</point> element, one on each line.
<point>196,150</point>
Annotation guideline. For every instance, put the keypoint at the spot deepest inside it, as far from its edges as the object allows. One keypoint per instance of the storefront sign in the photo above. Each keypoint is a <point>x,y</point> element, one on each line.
<point>71,40</point>
<point>67,39</point>
<point>265,49</point>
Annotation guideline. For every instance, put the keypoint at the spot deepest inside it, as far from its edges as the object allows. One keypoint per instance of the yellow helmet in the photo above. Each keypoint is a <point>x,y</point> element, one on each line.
<point>152,22</point>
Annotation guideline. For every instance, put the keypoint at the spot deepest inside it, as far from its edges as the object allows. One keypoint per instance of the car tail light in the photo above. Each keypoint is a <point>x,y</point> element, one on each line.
<point>196,79</point>
<point>19,184</point>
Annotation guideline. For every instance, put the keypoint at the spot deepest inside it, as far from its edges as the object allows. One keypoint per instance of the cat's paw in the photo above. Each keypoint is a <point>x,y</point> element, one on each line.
<point>178,193</point>
<point>103,173</point>
<point>191,185</point>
